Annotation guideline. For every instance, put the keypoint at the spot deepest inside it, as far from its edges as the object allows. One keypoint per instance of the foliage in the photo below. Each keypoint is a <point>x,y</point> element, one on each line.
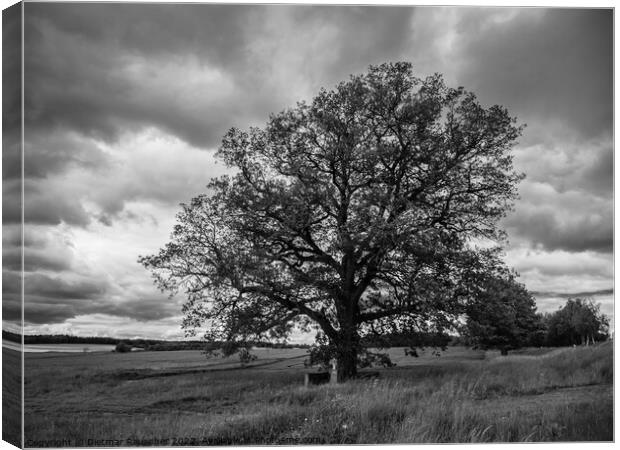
<point>412,341</point>
<point>323,352</point>
<point>502,315</point>
<point>57,339</point>
<point>122,347</point>
<point>354,214</point>
<point>578,322</point>
<point>245,357</point>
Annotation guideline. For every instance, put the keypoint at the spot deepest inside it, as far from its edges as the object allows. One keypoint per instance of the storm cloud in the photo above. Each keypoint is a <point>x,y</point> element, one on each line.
<point>191,70</point>
<point>552,67</point>
<point>572,220</point>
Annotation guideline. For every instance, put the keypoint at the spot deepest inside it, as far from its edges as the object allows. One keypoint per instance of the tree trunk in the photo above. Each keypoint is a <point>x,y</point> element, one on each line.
<point>347,349</point>
<point>347,365</point>
<point>504,351</point>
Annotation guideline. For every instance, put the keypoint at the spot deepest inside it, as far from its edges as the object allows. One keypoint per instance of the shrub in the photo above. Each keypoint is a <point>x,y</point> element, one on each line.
<point>245,356</point>
<point>122,347</point>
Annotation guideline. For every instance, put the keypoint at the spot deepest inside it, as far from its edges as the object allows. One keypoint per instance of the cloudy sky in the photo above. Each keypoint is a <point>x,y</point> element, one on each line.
<point>125,106</point>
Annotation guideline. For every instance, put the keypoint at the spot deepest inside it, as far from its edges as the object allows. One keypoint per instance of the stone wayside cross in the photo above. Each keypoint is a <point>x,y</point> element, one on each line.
<point>333,377</point>
<point>330,377</point>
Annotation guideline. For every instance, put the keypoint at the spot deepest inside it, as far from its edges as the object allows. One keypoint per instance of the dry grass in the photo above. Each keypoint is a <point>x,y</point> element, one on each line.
<point>561,395</point>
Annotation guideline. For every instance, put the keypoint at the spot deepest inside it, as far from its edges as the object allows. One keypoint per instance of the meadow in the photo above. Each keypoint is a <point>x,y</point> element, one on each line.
<point>11,397</point>
<point>180,398</point>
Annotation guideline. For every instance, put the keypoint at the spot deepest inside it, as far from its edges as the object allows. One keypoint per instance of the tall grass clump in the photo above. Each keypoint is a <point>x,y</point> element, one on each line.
<point>523,375</point>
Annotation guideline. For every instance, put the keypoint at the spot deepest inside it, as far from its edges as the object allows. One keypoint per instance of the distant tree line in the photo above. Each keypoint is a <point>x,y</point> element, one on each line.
<point>512,322</point>
<point>201,345</point>
<point>57,339</point>
<point>146,344</point>
<point>13,337</point>
<point>579,322</point>
<point>412,340</point>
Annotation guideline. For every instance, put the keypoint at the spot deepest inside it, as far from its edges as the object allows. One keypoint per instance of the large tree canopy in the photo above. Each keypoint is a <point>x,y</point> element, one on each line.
<point>355,213</point>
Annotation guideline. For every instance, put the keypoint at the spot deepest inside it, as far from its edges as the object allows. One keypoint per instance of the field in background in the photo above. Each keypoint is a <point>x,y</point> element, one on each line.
<point>179,398</point>
<point>64,348</point>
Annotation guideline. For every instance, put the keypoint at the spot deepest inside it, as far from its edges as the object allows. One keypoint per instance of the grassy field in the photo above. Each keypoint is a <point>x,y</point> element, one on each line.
<point>11,396</point>
<point>179,398</point>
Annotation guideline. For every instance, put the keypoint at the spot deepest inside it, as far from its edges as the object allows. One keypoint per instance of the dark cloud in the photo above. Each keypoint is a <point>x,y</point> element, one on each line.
<point>84,66</point>
<point>216,32</point>
<point>32,237</point>
<point>43,311</point>
<point>11,156</point>
<point>52,208</point>
<point>11,282</point>
<point>12,310</point>
<point>48,310</point>
<point>361,36</point>
<point>153,307</point>
<point>548,66</point>
<point>95,68</point>
<point>41,250</point>
<point>100,69</point>
<point>11,70</point>
<point>33,260</point>
<point>47,155</point>
<point>57,290</point>
<point>11,295</point>
<point>39,285</point>
<point>586,294</point>
<point>51,153</point>
<point>598,175</point>
<point>42,205</point>
<point>12,202</point>
<point>54,299</point>
<point>573,231</point>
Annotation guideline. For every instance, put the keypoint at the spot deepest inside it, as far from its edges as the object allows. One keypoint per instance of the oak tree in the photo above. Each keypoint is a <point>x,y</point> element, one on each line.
<point>355,213</point>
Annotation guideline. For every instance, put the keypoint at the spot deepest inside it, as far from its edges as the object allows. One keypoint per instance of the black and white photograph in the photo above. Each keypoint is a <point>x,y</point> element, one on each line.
<point>230,224</point>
